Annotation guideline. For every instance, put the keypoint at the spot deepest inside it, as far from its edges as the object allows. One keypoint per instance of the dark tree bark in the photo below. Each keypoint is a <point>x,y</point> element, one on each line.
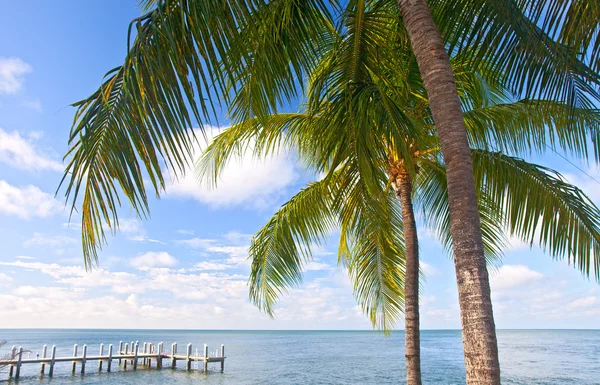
<point>412,350</point>
<point>479,333</point>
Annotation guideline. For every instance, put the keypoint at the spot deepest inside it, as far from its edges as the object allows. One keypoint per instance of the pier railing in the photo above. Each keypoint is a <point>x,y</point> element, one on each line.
<point>126,354</point>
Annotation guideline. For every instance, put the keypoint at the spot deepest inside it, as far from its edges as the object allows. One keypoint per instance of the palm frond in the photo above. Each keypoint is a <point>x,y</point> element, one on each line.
<point>523,39</point>
<point>281,249</point>
<point>541,207</point>
<point>432,198</point>
<point>535,125</point>
<point>140,117</point>
<point>375,255</point>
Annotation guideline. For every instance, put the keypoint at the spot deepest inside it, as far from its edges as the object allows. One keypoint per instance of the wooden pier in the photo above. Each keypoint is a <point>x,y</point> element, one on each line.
<point>126,355</point>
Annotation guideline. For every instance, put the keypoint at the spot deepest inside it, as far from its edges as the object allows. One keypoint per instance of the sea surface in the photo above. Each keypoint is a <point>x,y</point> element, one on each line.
<point>531,357</point>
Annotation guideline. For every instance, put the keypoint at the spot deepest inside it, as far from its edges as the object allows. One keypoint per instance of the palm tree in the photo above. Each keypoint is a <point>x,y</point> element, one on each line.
<point>485,22</point>
<point>189,53</point>
<point>360,110</point>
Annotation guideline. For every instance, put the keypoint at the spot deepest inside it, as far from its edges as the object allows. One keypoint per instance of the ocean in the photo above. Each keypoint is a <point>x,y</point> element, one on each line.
<point>532,357</point>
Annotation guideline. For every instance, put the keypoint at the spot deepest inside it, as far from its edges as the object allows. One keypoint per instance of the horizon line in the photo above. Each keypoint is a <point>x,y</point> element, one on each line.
<point>293,330</point>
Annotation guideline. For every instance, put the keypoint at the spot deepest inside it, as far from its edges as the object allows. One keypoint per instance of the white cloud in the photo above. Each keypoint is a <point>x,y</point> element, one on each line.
<point>186,232</point>
<point>513,276</point>
<point>585,302</point>
<point>25,257</point>
<point>134,231</point>
<point>12,70</point>
<point>130,226</point>
<point>245,181</point>
<point>232,251</point>
<point>39,239</point>
<point>154,259</point>
<point>4,278</point>
<point>27,202</point>
<point>317,266</point>
<point>197,243</point>
<point>33,104</point>
<point>20,152</point>
<point>52,269</point>
<point>428,269</point>
<point>212,265</point>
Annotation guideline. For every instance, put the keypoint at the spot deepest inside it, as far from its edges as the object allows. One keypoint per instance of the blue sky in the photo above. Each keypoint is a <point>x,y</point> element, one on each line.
<point>186,267</point>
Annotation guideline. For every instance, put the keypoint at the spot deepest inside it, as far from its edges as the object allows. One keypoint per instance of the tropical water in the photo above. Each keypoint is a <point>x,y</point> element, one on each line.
<point>322,357</point>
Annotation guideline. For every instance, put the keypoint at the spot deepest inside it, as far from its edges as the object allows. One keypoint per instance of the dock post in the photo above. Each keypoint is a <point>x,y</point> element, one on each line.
<point>135,356</point>
<point>120,350</point>
<point>125,359</point>
<point>188,360</point>
<point>144,351</point>
<point>109,363</point>
<point>132,345</point>
<point>205,358</point>
<point>173,352</point>
<point>19,360</point>
<point>100,360</point>
<point>150,352</point>
<point>51,368</point>
<point>44,350</point>
<point>222,357</point>
<point>74,362</point>
<point>159,356</point>
<point>13,354</point>
<point>83,359</point>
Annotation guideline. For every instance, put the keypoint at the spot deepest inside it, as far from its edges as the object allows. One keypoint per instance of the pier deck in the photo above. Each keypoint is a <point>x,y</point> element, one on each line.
<point>124,357</point>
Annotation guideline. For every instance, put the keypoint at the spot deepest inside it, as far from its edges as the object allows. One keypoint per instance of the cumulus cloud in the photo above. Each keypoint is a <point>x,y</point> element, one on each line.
<point>27,202</point>
<point>154,259</point>
<point>20,152</point>
<point>4,278</point>
<point>12,70</point>
<point>134,231</point>
<point>212,265</point>
<point>39,239</point>
<point>513,276</point>
<point>245,181</point>
<point>583,302</point>
<point>428,269</point>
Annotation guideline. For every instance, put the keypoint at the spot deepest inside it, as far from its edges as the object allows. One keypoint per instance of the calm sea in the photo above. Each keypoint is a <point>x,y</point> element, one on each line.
<point>325,357</point>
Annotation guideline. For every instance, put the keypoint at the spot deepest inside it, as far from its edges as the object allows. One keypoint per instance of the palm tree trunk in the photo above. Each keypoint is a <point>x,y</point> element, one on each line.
<point>412,350</point>
<point>479,334</point>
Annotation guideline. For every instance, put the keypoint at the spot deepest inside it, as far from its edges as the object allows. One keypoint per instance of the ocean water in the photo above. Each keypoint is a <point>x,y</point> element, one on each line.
<point>532,357</point>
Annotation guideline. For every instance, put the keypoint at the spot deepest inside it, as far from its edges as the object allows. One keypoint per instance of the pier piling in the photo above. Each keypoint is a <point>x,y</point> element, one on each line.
<point>205,358</point>
<point>173,352</point>
<point>110,354</point>
<point>135,356</point>
<point>188,360</point>
<point>19,361</point>
<point>52,360</point>
<point>222,355</point>
<point>43,366</point>
<point>74,362</point>
<point>101,354</point>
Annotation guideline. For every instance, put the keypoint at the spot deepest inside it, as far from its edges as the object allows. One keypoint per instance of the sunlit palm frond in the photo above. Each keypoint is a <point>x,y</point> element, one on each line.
<point>375,256</point>
<point>523,39</point>
<point>432,198</point>
<point>283,42</point>
<point>140,117</point>
<point>535,125</point>
<point>540,207</point>
<point>281,249</point>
